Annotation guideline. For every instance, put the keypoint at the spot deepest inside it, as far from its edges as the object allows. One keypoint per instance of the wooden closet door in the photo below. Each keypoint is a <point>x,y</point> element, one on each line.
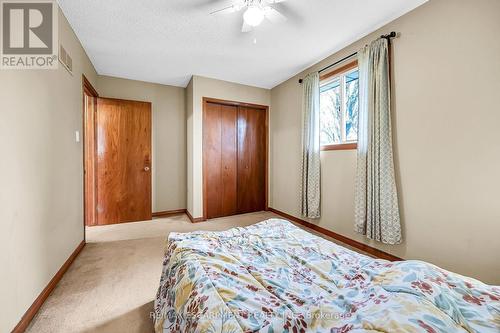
<point>251,159</point>
<point>220,159</point>
<point>123,173</point>
<point>229,116</point>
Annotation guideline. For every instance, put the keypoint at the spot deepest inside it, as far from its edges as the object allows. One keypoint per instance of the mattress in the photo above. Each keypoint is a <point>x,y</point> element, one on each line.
<point>275,277</point>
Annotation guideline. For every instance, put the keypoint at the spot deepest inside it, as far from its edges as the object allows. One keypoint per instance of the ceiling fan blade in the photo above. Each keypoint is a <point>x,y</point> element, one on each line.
<point>202,5</point>
<point>246,27</point>
<point>273,15</point>
<point>235,7</point>
<point>226,10</point>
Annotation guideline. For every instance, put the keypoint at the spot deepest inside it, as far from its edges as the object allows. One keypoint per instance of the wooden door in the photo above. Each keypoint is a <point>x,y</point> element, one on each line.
<point>251,159</point>
<point>123,166</point>
<point>220,163</point>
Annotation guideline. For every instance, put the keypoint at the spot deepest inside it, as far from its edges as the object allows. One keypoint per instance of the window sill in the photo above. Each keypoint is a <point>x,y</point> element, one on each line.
<point>340,146</point>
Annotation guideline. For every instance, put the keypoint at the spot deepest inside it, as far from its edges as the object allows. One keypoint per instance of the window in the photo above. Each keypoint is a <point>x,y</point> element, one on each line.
<point>339,108</point>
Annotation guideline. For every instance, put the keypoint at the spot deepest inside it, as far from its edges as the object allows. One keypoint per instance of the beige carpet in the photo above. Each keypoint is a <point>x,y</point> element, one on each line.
<point>111,285</point>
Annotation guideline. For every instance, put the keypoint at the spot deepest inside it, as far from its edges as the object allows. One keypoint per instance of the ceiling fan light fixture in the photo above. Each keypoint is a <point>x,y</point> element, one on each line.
<point>253,16</point>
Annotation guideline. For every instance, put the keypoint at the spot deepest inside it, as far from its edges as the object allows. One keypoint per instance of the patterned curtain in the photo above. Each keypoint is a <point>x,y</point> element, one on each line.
<point>377,210</point>
<point>311,148</point>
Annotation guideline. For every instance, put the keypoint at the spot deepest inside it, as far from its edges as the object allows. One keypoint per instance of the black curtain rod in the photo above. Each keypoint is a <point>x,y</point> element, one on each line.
<point>390,35</point>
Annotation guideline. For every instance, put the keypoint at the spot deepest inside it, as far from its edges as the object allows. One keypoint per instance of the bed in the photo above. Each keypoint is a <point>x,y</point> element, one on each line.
<point>275,277</point>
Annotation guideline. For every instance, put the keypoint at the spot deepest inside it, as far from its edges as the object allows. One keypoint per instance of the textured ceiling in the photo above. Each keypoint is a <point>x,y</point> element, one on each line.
<point>167,41</point>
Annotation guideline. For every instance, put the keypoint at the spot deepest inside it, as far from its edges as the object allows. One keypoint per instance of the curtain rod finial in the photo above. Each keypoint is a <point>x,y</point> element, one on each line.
<point>392,34</point>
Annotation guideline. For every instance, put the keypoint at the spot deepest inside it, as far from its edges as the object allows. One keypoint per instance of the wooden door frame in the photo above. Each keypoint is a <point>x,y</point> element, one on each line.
<point>205,101</point>
<point>87,89</point>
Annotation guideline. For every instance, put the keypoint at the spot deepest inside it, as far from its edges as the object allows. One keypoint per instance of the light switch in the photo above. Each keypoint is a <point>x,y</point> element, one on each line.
<point>77,136</point>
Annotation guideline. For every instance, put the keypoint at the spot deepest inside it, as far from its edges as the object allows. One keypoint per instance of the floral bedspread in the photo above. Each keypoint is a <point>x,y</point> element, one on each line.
<point>275,277</point>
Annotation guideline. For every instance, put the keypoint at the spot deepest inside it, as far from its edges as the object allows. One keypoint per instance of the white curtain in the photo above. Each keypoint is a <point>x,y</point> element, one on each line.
<point>311,148</point>
<point>377,210</point>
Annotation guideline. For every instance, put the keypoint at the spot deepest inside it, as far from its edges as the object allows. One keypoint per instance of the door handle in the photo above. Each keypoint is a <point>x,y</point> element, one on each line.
<point>146,168</point>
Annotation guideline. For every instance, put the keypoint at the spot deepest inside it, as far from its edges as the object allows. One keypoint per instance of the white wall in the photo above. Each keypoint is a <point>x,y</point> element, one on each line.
<point>206,87</point>
<point>168,135</point>
<point>446,69</point>
<point>41,176</point>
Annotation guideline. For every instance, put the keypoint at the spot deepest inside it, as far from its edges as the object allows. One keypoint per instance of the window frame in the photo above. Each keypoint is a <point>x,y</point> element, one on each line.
<point>330,76</point>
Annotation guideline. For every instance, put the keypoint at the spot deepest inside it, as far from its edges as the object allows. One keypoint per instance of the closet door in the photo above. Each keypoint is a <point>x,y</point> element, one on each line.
<point>251,159</point>
<point>229,161</point>
<point>220,159</point>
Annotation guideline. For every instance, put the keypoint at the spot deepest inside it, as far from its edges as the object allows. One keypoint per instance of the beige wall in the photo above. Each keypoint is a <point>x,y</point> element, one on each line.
<point>206,87</point>
<point>446,70</point>
<point>41,212</point>
<point>168,134</point>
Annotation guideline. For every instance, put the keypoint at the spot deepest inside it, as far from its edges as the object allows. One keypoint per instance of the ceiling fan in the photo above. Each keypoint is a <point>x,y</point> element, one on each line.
<point>255,12</point>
